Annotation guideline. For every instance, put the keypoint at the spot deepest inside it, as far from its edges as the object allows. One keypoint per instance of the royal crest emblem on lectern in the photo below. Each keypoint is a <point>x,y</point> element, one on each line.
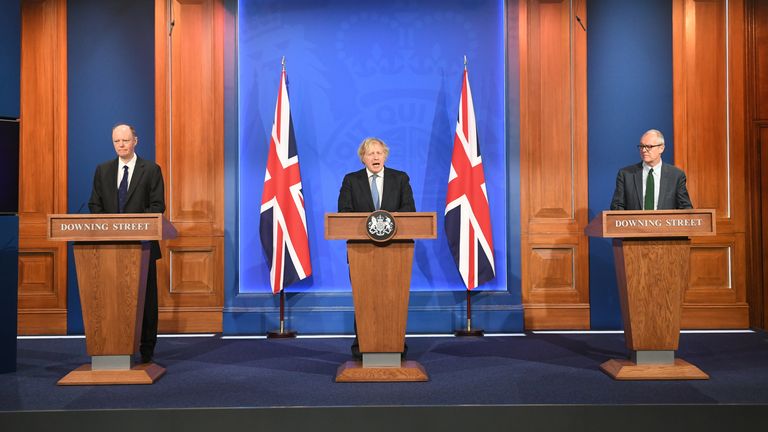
<point>381,226</point>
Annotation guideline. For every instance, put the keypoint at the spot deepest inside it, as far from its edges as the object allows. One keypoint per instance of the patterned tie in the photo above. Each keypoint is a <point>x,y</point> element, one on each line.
<point>375,192</point>
<point>122,191</point>
<point>649,191</point>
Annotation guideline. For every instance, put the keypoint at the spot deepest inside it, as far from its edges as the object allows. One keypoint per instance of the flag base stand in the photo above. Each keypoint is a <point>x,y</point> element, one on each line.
<point>469,331</point>
<point>282,333</point>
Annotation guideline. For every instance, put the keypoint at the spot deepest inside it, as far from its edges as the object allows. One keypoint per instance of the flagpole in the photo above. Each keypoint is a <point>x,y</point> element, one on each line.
<point>282,333</point>
<point>469,331</point>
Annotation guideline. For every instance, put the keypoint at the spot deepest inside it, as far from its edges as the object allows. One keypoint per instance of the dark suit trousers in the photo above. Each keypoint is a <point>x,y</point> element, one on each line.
<point>149,323</point>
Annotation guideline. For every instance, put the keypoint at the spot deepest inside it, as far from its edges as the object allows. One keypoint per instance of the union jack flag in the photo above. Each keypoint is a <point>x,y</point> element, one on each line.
<point>467,214</point>
<point>283,225</point>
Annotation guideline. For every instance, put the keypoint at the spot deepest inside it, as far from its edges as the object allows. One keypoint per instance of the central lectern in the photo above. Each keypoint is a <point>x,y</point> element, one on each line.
<point>380,272</point>
<point>112,260</point>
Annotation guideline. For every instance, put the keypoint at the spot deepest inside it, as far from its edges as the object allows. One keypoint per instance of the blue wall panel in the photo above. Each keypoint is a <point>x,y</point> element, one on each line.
<point>10,57</point>
<point>355,70</point>
<point>629,59</point>
<point>111,71</point>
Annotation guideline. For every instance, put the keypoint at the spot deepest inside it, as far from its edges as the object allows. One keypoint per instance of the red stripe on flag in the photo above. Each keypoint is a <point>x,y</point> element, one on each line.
<point>277,265</point>
<point>471,279</point>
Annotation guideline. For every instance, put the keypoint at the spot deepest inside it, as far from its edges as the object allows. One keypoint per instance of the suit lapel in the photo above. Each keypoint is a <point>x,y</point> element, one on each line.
<point>638,178</point>
<point>363,177</point>
<point>665,188</point>
<point>388,191</point>
<point>111,180</point>
<point>138,173</point>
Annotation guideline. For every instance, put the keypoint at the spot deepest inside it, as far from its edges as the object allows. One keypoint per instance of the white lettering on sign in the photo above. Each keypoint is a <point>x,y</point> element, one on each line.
<point>85,227</point>
<point>684,222</point>
<point>144,226</point>
<point>130,226</point>
<point>626,223</point>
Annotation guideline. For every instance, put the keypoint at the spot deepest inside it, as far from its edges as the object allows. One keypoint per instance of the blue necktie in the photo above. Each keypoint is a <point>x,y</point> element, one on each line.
<point>122,191</point>
<point>375,192</point>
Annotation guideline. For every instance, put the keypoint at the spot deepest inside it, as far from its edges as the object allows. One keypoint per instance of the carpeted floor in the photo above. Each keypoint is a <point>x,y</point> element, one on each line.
<point>494,370</point>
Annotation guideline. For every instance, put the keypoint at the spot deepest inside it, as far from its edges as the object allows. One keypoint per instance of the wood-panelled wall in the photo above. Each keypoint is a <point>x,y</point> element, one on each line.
<point>721,117</point>
<point>553,164</point>
<point>709,75</point>
<point>42,166</point>
<point>189,125</point>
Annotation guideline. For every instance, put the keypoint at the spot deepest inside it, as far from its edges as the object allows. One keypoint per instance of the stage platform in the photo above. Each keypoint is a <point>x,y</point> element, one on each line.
<point>535,381</point>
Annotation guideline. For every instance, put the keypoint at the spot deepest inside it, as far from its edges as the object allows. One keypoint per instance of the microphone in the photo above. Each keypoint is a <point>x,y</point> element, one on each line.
<point>580,23</point>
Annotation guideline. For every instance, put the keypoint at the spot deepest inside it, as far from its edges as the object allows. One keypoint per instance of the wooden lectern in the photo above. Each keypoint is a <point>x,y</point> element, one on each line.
<point>112,260</point>
<point>381,277</point>
<point>652,254</point>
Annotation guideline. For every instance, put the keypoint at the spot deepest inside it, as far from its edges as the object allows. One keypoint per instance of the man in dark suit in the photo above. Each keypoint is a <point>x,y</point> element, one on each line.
<point>651,184</point>
<point>393,186</point>
<point>130,184</point>
<point>375,188</point>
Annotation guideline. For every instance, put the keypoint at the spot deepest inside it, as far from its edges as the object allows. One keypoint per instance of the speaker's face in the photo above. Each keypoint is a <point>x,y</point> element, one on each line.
<point>124,142</point>
<point>375,157</point>
<point>650,149</point>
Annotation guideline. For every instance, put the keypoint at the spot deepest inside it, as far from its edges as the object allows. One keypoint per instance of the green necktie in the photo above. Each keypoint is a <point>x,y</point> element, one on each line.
<point>649,192</point>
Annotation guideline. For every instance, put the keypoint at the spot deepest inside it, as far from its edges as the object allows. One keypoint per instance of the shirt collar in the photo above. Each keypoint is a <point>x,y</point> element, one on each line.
<point>130,164</point>
<point>380,173</point>
<point>656,169</point>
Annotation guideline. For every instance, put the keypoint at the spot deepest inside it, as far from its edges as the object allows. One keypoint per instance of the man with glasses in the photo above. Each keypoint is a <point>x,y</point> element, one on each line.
<point>651,184</point>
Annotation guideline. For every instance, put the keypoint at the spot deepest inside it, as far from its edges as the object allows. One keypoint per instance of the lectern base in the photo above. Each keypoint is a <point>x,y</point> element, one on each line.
<point>353,371</point>
<point>627,370</point>
<point>145,373</point>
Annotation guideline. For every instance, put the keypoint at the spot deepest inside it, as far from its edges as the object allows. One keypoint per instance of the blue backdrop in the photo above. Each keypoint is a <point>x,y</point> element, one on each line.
<point>10,57</point>
<point>629,58</point>
<point>111,79</point>
<point>357,69</point>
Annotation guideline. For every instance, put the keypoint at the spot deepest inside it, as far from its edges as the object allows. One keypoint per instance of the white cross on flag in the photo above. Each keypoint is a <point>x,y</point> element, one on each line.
<point>467,214</point>
<point>283,225</point>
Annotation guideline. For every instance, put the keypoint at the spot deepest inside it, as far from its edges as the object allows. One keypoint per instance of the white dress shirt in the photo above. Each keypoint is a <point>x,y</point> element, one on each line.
<point>131,165</point>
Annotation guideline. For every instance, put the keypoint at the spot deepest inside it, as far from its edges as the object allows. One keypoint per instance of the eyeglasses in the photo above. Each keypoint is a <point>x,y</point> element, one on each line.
<point>648,148</point>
